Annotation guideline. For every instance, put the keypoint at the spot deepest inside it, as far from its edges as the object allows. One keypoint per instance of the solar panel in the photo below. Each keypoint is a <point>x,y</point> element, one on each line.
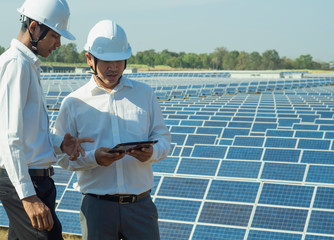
<point>241,166</point>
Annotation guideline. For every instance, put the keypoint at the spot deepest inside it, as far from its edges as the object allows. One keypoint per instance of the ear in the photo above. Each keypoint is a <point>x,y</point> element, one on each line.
<point>90,59</point>
<point>34,29</point>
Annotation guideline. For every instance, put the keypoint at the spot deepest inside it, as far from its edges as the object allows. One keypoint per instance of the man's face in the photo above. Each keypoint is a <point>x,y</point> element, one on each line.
<point>48,44</point>
<point>109,71</point>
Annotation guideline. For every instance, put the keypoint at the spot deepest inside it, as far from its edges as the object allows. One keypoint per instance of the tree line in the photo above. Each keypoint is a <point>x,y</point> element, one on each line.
<point>220,59</point>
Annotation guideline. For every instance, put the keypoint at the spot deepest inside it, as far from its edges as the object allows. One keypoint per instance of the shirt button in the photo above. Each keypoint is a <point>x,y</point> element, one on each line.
<point>115,131</point>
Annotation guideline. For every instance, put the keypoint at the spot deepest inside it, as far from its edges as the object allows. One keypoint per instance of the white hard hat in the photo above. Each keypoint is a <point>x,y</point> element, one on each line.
<point>52,13</point>
<point>107,41</point>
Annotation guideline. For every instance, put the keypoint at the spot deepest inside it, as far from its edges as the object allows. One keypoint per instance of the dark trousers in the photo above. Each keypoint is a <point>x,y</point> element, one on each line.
<point>107,220</point>
<point>20,227</point>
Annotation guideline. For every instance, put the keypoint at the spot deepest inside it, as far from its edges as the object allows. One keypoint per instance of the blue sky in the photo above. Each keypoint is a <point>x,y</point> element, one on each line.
<point>291,27</point>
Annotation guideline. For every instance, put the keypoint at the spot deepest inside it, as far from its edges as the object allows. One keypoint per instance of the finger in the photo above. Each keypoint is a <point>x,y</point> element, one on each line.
<point>40,224</point>
<point>82,151</point>
<point>50,221</point>
<point>86,139</point>
<point>34,222</point>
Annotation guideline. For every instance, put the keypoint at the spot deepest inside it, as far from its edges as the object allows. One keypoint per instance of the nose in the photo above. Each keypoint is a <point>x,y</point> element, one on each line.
<point>58,42</point>
<point>113,66</point>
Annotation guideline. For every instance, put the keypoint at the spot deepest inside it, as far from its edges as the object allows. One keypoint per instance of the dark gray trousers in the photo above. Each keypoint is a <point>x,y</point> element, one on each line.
<point>20,227</point>
<point>107,220</point>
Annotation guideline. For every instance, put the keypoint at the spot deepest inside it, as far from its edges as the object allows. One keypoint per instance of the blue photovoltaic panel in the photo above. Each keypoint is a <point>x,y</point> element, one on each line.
<point>177,129</point>
<point>324,198</point>
<point>280,142</point>
<point>190,166</point>
<point>243,153</point>
<point>70,201</point>
<point>239,169</point>
<point>179,139</point>
<point>309,134</point>
<point>321,222</point>
<point>172,230</point>
<point>181,210</point>
<point>218,233</point>
<point>289,176</point>
<point>248,141</point>
<point>286,195</point>
<point>320,174</point>
<point>183,187</point>
<point>227,214</point>
<point>232,132</point>
<point>318,157</point>
<point>70,222</point>
<point>317,237</point>
<point>167,165</point>
<point>200,139</point>
<point>3,217</point>
<point>266,235</point>
<point>284,172</point>
<point>209,151</point>
<point>314,144</point>
<point>234,191</point>
<point>281,155</point>
<point>279,218</point>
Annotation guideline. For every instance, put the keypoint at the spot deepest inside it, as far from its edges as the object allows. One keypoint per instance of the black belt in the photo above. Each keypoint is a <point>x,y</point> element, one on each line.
<point>33,172</point>
<point>122,199</point>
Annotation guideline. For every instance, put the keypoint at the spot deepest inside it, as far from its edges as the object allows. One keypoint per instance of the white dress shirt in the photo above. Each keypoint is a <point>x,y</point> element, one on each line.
<point>25,141</point>
<point>129,113</point>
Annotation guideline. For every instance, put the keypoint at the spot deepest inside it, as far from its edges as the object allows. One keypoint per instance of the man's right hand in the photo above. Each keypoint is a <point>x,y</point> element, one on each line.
<point>104,158</point>
<point>39,214</point>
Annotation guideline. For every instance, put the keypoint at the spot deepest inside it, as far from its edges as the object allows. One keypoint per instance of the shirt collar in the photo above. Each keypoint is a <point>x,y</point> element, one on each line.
<point>26,51</point>
<point>95,88</point>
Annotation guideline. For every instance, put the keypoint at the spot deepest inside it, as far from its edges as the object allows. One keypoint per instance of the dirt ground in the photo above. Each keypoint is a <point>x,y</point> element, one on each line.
<point>4,235</point>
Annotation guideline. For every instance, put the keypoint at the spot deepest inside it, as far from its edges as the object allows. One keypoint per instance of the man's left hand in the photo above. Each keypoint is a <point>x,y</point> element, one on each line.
<point>71,146</point>
<point>142,154</point>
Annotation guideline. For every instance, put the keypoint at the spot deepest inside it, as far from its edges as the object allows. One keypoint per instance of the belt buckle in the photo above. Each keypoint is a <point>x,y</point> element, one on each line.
<point>122,199</point>
<point>49,172</point>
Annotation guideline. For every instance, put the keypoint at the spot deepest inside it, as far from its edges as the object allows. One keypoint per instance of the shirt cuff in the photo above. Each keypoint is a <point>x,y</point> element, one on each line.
<point>154,156</point>
<point>57,141</point>
<point>25,190</point>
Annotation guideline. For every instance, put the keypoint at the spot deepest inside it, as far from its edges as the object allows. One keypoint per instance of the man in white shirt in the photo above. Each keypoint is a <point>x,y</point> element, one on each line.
<point>27,149</point>
<point>113,109</point>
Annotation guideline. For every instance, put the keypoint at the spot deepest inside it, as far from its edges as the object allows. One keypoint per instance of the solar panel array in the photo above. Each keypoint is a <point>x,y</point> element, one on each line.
<point>255,162</point>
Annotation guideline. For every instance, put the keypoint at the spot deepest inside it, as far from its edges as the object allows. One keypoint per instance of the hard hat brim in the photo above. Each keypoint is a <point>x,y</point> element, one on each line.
<point>112,56</point>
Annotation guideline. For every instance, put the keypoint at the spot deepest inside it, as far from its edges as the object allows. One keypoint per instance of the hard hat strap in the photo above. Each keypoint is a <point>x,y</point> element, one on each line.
<point>35,42</point>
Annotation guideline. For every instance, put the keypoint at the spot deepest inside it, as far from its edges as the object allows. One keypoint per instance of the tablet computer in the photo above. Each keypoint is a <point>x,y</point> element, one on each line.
<point>124,147</point>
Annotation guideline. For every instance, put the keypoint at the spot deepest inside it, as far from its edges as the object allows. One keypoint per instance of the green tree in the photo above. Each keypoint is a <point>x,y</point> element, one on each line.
<point>304,62</point>
<point>271,60</point>
<point>243,61</point>
<point>230,60</point>
<point>2,50</point>
<point>217,58</point>
<point>255,61</point>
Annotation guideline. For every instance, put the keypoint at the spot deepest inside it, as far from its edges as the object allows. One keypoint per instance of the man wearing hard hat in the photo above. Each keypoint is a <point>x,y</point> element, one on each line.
<point>114,109</point>
<point>27,149</point>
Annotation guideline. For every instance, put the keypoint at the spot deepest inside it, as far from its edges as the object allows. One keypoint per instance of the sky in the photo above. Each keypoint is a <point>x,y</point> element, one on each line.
<point>291,27</point>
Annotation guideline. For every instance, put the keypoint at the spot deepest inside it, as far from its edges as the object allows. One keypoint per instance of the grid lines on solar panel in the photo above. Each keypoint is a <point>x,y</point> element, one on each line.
<point>281,155</point>
<point>217,233</point>
<point>320,174</point>
<point>226,214</point>
<point>196,166</point>
<point>279,218</point>
<point>180,210</point>
<point>282,171</point>
<point>266,235</point>
<point>286,195</point>
<point>234,191</point>
<point>244,153</point>
<point>318,157</point>
<point>239,169</point>
<point>321,222</point>
<point>183,187</point>
<point>208,151</point>
<point>172,230</point>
